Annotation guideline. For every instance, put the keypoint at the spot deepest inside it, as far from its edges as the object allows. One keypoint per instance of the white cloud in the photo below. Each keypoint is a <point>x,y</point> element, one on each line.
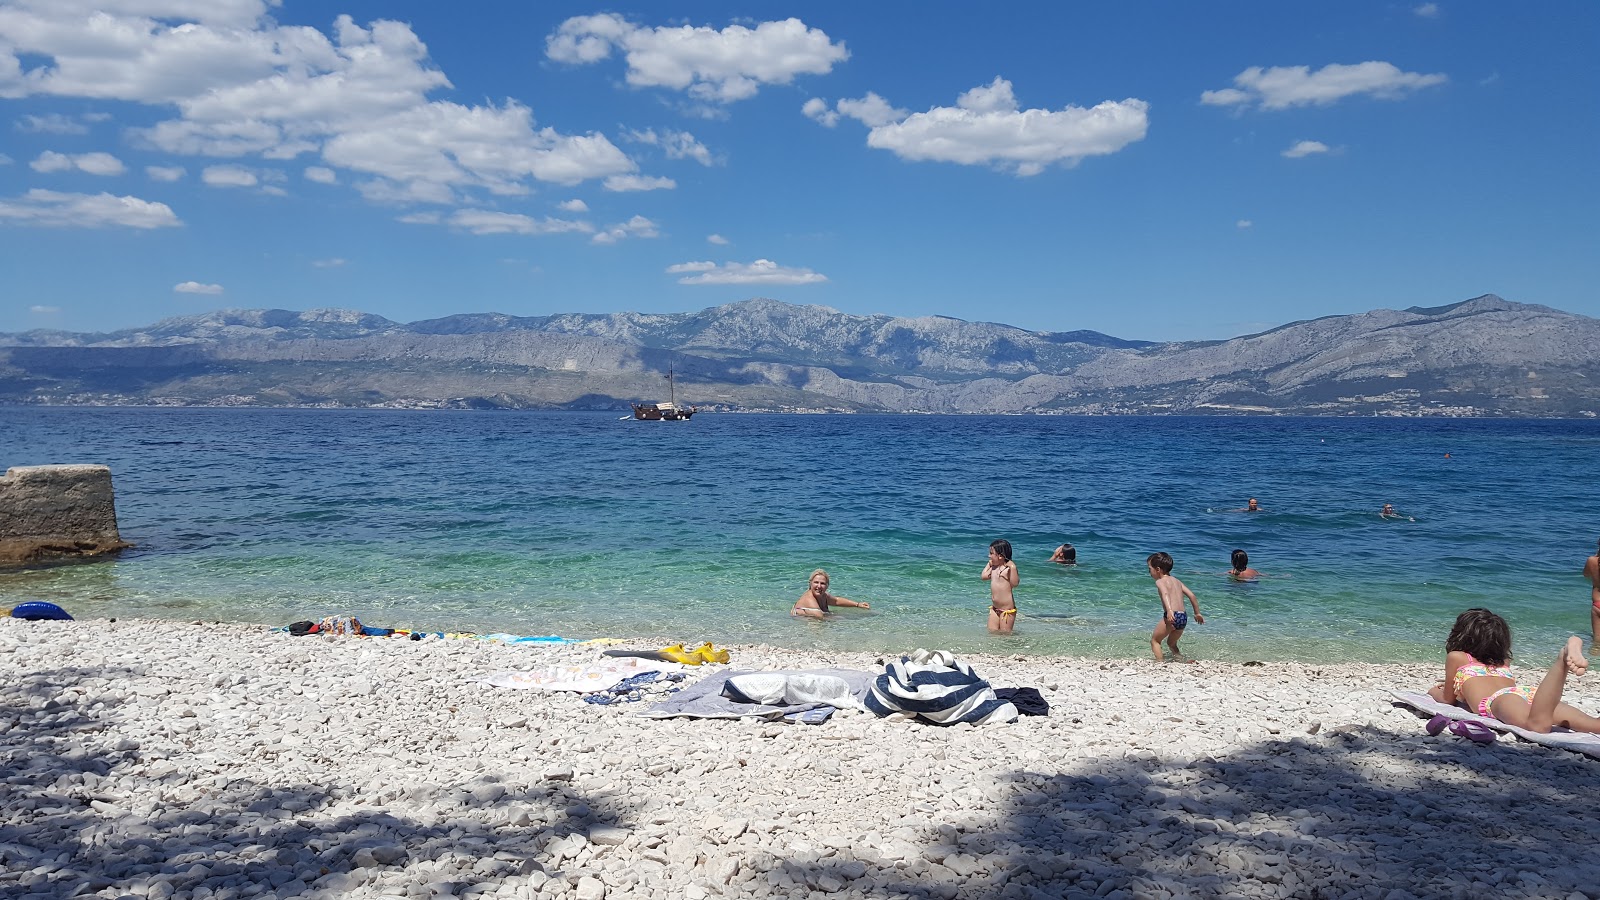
<point>638,227</point>
<point>1283,87</point>
<point>51,161</point>
<point>483,221</point>
<point>53,209</point>
<point>573,206</point>
<point>676,144</point>
<point>244,86</point>
<point>710,65</point>
<point>92,163</point>
<point>717,239</point>
<point>44,310</point>
<point>1427,10</point>
<point>164,173</point>
<point>195,287</point>
<point>817,108</point>
<point>638,183</point>
<point>1305,148</point>
<point>986,127</point>
<point>1243,224</point>
<point>333,263</point>
<point>321,175</point>
<point>5,160</point>
<point>54,123</point>
<point>421,218</point>
<point>229,176</point>
<point>762,271</point>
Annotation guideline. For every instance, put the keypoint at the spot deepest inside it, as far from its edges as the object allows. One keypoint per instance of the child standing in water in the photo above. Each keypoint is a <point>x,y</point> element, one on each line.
<point>1001,573</point>
<point>1173,618</point>
<point>1476,677</point>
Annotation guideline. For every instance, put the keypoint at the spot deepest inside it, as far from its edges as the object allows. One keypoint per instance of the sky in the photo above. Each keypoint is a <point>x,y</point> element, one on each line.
<point>1150,170</point>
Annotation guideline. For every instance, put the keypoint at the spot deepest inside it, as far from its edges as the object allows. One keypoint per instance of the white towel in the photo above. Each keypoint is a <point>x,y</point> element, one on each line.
<point>1576,741</point>
<point>790,689</point>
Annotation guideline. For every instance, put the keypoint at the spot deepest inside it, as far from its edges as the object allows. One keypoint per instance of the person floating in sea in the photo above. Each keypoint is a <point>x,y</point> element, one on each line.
<point>1065,554</point>
<point>1389,512</point>
<point>816,600</point>
<point>1001,573</point>
<point>1250,506</point>
<point>1477,677</point>
<point>1591,571</point>
<point>1173,618</point>
<point>1241,570</point>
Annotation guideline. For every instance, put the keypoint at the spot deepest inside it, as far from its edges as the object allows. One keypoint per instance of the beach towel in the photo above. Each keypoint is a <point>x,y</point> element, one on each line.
<point>705,699</point>
<point>585,679</point>
<point>1577,742</point>
<point>790,689</point>
<point>934,685</point>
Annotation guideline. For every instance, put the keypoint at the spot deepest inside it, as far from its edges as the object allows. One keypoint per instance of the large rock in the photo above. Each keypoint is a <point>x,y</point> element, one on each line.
<point>53,512</point>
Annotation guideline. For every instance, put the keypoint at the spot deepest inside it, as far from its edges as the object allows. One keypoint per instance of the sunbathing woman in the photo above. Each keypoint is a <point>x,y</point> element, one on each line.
<point>1476,677</point>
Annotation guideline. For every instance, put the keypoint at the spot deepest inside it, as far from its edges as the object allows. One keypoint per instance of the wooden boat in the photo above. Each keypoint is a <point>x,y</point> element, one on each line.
<point>663,412</point>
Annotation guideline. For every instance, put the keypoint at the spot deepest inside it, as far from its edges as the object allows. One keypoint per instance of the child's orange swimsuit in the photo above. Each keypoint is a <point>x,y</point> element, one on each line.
<point>1477,669</point>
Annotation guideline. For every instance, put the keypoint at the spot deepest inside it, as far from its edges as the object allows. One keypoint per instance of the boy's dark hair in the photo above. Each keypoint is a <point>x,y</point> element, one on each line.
<point>1483,634</point>
<point>1161,561</point>
<point>1241,559</point>
<point>1069,553</point>
<point>1002,547</point>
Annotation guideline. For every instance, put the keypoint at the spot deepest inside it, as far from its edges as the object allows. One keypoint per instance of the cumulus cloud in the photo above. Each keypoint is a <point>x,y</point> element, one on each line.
<point>573,206</point>
<point>710,65</point>
<point>988,127</point>
<point>321,175</point>
<point>717,239</point>
<point>1284,87</point>
<point>195,287</point>
<point>54,123</point>
<point>484,221</point>
<point>164,173</point>
<point>638,227</point>
<point>53,209</point>
<point>229,176</point>
<point>675,144</point>
<point>1305,148</point>
<point>244,86</point>
<point>638,183</point>
<point>1427,10</point>
<point>817,109</point>
<point>762,271</point>
<point>92,163</point>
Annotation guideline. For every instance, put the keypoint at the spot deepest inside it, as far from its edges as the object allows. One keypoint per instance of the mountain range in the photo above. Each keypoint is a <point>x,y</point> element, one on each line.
<point>1481,357</point>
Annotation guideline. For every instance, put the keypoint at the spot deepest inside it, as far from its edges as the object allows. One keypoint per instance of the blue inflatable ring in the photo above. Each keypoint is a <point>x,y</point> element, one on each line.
<point>36,610</point>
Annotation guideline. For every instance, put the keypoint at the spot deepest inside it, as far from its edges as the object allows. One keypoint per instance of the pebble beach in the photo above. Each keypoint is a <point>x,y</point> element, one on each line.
<point>162,760</point>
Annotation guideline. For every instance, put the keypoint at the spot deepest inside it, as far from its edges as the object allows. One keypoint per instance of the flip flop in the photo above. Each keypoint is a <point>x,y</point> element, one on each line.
<point>1438,724</point>
<point>1476,732</point>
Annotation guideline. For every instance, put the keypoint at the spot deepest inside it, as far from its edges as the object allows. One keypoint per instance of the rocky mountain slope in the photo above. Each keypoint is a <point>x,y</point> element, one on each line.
<point>1485,356</point>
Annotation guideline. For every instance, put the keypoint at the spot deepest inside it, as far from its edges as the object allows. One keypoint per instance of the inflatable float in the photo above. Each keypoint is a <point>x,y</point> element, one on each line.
<point>38,610</point>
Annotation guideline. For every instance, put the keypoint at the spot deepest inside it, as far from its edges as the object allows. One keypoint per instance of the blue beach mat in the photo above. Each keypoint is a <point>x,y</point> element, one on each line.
<point>1577,742</point>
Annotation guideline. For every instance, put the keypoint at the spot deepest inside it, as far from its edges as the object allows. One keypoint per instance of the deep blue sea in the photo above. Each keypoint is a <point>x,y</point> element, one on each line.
<point>584,525</point>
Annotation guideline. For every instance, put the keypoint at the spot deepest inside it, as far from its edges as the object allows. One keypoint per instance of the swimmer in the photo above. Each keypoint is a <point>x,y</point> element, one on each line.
<point>1241,570</point>
<point>1001,573</point>
<point>1591,571</point>
<point>1250,506</point>
<point>815,601</point>
<point>1065,554</point>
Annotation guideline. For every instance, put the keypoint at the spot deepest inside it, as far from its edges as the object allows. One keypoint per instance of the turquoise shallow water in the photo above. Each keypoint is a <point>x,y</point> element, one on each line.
<point>583,525</point>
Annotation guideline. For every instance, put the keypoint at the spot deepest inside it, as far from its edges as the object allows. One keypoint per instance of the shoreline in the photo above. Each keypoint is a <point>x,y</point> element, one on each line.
<point>186,761</point>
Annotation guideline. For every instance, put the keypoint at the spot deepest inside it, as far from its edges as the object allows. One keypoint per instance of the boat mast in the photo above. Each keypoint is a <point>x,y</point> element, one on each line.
<point>672,392</point>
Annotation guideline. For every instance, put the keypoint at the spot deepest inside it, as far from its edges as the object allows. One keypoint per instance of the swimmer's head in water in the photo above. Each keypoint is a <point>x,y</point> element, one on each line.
<point>819,581</point>
<point>1483,634</point>
<point>1068,553</point>
<point>1001,548</point>
<point>1241,560</point>
<point>1252,505</point>
<point>1161,562</point>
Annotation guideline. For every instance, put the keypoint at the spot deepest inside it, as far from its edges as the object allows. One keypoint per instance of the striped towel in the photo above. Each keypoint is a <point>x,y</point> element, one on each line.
<point>934,685</point>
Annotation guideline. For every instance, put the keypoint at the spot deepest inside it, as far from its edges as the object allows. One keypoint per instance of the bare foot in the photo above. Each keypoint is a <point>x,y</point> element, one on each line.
<point>1573,654</point>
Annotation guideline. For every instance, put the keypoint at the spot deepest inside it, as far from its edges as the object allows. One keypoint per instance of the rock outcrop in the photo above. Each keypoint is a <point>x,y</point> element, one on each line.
<point>57,512</point>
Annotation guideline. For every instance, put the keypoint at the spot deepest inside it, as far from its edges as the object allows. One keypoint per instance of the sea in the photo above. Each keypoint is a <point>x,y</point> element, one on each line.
<point>585,525</point>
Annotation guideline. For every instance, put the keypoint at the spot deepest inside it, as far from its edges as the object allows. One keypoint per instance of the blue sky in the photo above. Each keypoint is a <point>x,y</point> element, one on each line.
<point>1162,171</point>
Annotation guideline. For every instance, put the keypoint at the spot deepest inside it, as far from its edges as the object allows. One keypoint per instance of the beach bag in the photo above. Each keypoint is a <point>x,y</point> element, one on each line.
<point>934,685</point>
<point>301,629</point>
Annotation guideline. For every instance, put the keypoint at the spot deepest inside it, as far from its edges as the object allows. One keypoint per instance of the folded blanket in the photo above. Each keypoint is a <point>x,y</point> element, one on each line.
<point>1577,742</point>
<point>790,689</point>
<point>934,685</point>
<point>705,699</point>
<point>583,679</point>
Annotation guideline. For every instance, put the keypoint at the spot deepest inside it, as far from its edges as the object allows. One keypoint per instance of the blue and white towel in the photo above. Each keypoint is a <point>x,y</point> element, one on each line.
<point>934,685</point>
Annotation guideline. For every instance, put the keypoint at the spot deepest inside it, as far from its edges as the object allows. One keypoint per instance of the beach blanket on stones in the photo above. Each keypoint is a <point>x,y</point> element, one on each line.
<point>1577,742</point>
<point>934,685</point>
<point>708,699</point>
<point>578,678</point>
